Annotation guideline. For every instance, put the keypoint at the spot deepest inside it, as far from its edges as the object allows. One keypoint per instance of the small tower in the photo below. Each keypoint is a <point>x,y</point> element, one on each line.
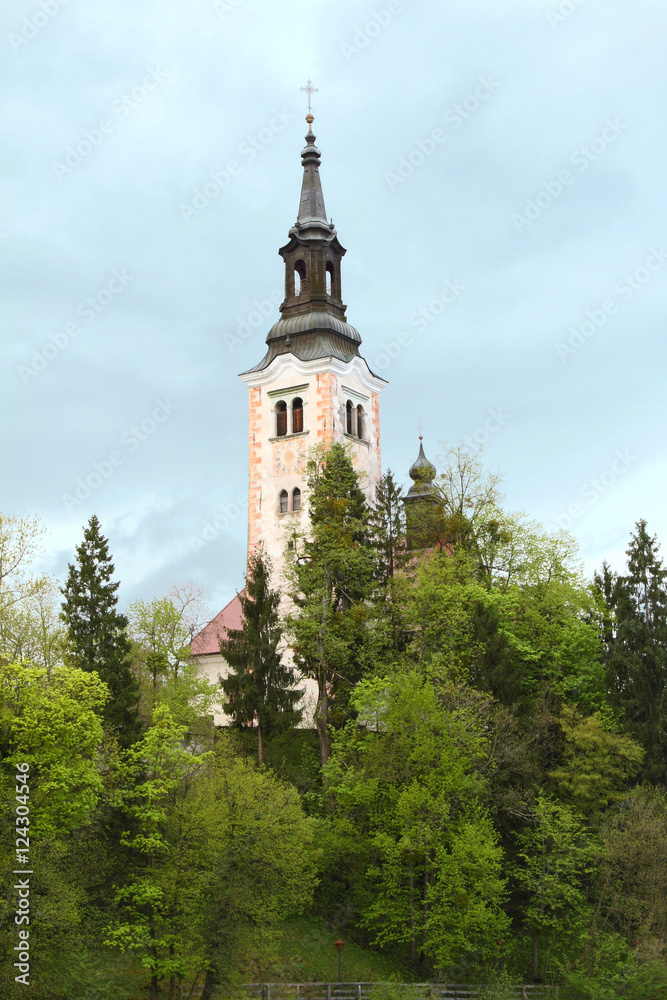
<point>423,507</point>
<point>312,386</point>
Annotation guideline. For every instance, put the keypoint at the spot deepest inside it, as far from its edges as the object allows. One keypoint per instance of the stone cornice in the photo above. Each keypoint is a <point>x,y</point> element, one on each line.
<point>317,366</point>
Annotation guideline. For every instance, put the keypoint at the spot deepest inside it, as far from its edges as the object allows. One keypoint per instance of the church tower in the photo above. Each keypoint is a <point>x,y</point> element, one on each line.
<point>312,387</point>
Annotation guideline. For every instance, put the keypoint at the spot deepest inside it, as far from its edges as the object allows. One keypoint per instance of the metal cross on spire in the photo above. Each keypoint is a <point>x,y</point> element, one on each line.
<point>310,90</point>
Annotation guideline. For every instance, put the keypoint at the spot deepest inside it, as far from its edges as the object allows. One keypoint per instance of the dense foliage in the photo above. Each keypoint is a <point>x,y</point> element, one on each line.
<point>482,797</point>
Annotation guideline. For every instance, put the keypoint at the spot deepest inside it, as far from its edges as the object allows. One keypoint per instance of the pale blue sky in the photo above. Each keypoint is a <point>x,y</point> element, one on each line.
<point>495,169</point>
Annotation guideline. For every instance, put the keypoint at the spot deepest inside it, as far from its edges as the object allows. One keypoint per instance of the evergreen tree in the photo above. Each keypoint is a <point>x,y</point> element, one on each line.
<point>636,648</point>
<point>97,632</point>
<point>260,688</point>
<point>389,528</point>
<point>333,576</point>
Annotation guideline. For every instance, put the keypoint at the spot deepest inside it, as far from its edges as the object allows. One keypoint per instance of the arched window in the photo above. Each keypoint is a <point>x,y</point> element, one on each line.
<point>281,418</point>
<point>360,421</point>
<point>297,415</point>
<point>329,279</point>
<point>348,414</point>
<point>296,498</point>
<point>284,501</point>
<point>299,277</point>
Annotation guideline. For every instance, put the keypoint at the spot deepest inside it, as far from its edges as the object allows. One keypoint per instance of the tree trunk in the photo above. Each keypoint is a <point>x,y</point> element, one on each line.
<point>210,983</point>
<point>321,721</point>
<point>536,970</point>
<point>260,742</point>
<point>413,942</point>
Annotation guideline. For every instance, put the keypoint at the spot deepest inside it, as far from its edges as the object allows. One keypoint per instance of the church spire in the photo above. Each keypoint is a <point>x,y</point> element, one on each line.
<point>313,316</point>
<point>312,218</point>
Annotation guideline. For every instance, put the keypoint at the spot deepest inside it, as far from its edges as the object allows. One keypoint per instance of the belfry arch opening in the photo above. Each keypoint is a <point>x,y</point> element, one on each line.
<point>360,422</point>
<point>299,277</point>
<point>281,418</point>
<point>329,279</point>
<point>297,415</point>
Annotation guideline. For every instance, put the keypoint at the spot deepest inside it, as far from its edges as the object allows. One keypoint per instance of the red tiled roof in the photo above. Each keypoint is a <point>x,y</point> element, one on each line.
<point>208,640</point>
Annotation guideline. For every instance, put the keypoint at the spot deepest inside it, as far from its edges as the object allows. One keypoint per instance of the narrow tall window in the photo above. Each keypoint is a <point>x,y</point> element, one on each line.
<point>296,498</point>
<point>348,412</point>
<point>284,501</point>
<point>299,277</point>
<point>360,421</point>
<point>281,418</point>
<point>329,279</point>
<point>297,416</point>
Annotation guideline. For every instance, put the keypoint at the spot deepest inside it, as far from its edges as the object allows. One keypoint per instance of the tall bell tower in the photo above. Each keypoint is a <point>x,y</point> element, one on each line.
<point>312,386</point>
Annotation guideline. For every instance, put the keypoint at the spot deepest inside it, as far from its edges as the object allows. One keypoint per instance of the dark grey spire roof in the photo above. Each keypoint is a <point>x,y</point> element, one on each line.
<point>313,317</point>
<point>311,221</point>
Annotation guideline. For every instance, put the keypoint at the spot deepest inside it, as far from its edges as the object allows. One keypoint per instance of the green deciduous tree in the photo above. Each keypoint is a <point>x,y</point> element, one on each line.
<point>260,688</point>
<point>167,672</point>
<point>407,789</point>
<point>97,632</point>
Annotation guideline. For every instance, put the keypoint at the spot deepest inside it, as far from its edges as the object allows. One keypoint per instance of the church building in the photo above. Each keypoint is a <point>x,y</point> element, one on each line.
<point>312,387</point>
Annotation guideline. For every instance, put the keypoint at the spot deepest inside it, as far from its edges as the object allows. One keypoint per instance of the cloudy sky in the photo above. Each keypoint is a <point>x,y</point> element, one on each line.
<point>496,169</point>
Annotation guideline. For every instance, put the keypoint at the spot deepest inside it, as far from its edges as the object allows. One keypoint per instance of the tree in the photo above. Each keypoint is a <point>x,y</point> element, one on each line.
<point>635,656</point>
<point>556,858</point>
<point>407,790</point>
<point>29,628</point>
<point>333,570</point>
<point>153,775</point>
<point>97,633</point>
<point>260,689</point>
<point>389,535</point>
<point>168,674</point>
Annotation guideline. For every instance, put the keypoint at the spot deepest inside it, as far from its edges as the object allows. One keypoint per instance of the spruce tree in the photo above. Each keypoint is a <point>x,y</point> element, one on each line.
<point>333,576</point>
<point>635,637</point>
<point>97,633</point>
<point>260,687</point>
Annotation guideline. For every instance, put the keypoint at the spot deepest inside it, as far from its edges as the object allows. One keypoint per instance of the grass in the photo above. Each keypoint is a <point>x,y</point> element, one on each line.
<point>308,955</point>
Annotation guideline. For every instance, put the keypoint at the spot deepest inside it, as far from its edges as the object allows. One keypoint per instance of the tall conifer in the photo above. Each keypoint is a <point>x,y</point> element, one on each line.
<point>636,648</point>
<point>97,631</point>
<point>260,687</point>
